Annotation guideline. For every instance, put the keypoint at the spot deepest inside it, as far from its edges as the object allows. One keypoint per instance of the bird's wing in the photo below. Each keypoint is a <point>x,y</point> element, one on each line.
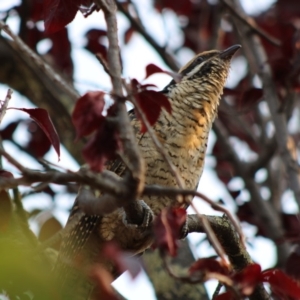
<point>82,228</point>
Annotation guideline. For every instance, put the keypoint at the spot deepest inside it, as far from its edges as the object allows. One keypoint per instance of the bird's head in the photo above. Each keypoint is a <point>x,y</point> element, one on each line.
<point>203,76</point>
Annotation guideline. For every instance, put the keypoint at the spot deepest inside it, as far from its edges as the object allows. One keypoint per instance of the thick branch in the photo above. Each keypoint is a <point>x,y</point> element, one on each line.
<point>22,74</point>
<point>236,251</point>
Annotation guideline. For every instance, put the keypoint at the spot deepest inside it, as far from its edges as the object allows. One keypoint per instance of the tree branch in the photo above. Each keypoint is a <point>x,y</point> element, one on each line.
<point>236,251</point>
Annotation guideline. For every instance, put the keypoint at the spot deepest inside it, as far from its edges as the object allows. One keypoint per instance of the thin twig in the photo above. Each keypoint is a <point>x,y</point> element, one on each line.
<point>136,164</point>
<point>4,104</point>
<point>220,208</point>
<point>103,62</point>
<point>217,290</point>
<point>199,279</point>
<point>13,161</point>
<point>251,23</point>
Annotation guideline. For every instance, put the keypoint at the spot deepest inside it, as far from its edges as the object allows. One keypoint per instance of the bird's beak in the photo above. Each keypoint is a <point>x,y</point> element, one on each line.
<point>229,52</point>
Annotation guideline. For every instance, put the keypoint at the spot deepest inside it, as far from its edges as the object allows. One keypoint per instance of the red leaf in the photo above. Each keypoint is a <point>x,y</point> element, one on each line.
<point>204,265</point>
<point>59,13</point>
<point>235,194</point>
<point>102,279</point>
<point>87,115</point>
<point>245,213</point>
<point>128,34</point>
<point>38,144</point>
<point>291,225</point>
<point>42,118</point>
<point>281,284</point>
<point>179,7</point>
<point>167,228</point>
<point>6,174</point>
<point>124,261</point>
<point>248,278</point>
<point>95,42</point>
<point>102,146</point>
<point>293,263</point>
<point>8,131</point>
<point>61,51</point>
<point>150,102</point>
<point>249,98</point>
<point>225,296</point>
<point>36,10</point>
<point>153,69</point>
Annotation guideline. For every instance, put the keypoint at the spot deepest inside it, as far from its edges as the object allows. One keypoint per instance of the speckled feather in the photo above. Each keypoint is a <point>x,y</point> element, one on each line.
<point>184,135</point>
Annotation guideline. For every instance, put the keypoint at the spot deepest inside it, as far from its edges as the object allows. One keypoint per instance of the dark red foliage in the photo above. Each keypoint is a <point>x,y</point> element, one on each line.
<point>6,174</point>
<point>225,296</point>
<point>102,281</point>
<point>180,7</point>
<point>244,281</point>
<point>87,118</point>
<point>235,194</point>
<point>123,261</point>
<point>235,129</point>
<point>291,224</point>
<point>150,102</point>
<point>248,278</point>
<point>61,51</point>
<point>281,22</point>
<point>208,265</point>
<point>59,54</point>
<point>224,168</point>
<point>96,42</point>
<point>88,113</point>
<point>42,118</point>
<point>245,97</point>
<point>102,146</point>
<point>245,213</point>
<point>128,35</point>
<point>36,10</point>
<point>167,229</point>
<point>293,263</point>
<point>9,130</point>
<point>282,286</point>
<point>38,144</point>
<point>59,13</point>
<point>153,69</point>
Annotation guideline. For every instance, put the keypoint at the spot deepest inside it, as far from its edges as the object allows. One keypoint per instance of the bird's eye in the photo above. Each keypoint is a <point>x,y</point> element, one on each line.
<point>199,59</point>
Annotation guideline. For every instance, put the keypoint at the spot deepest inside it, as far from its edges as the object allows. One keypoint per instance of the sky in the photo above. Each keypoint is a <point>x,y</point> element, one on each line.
<point>90,76</point>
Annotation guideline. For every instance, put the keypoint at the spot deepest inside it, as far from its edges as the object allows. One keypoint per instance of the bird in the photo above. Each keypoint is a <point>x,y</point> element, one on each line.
<point>184,135</point>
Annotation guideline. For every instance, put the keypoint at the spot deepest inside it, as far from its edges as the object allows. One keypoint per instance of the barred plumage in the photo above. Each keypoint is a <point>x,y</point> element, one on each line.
<point>184,134</point>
